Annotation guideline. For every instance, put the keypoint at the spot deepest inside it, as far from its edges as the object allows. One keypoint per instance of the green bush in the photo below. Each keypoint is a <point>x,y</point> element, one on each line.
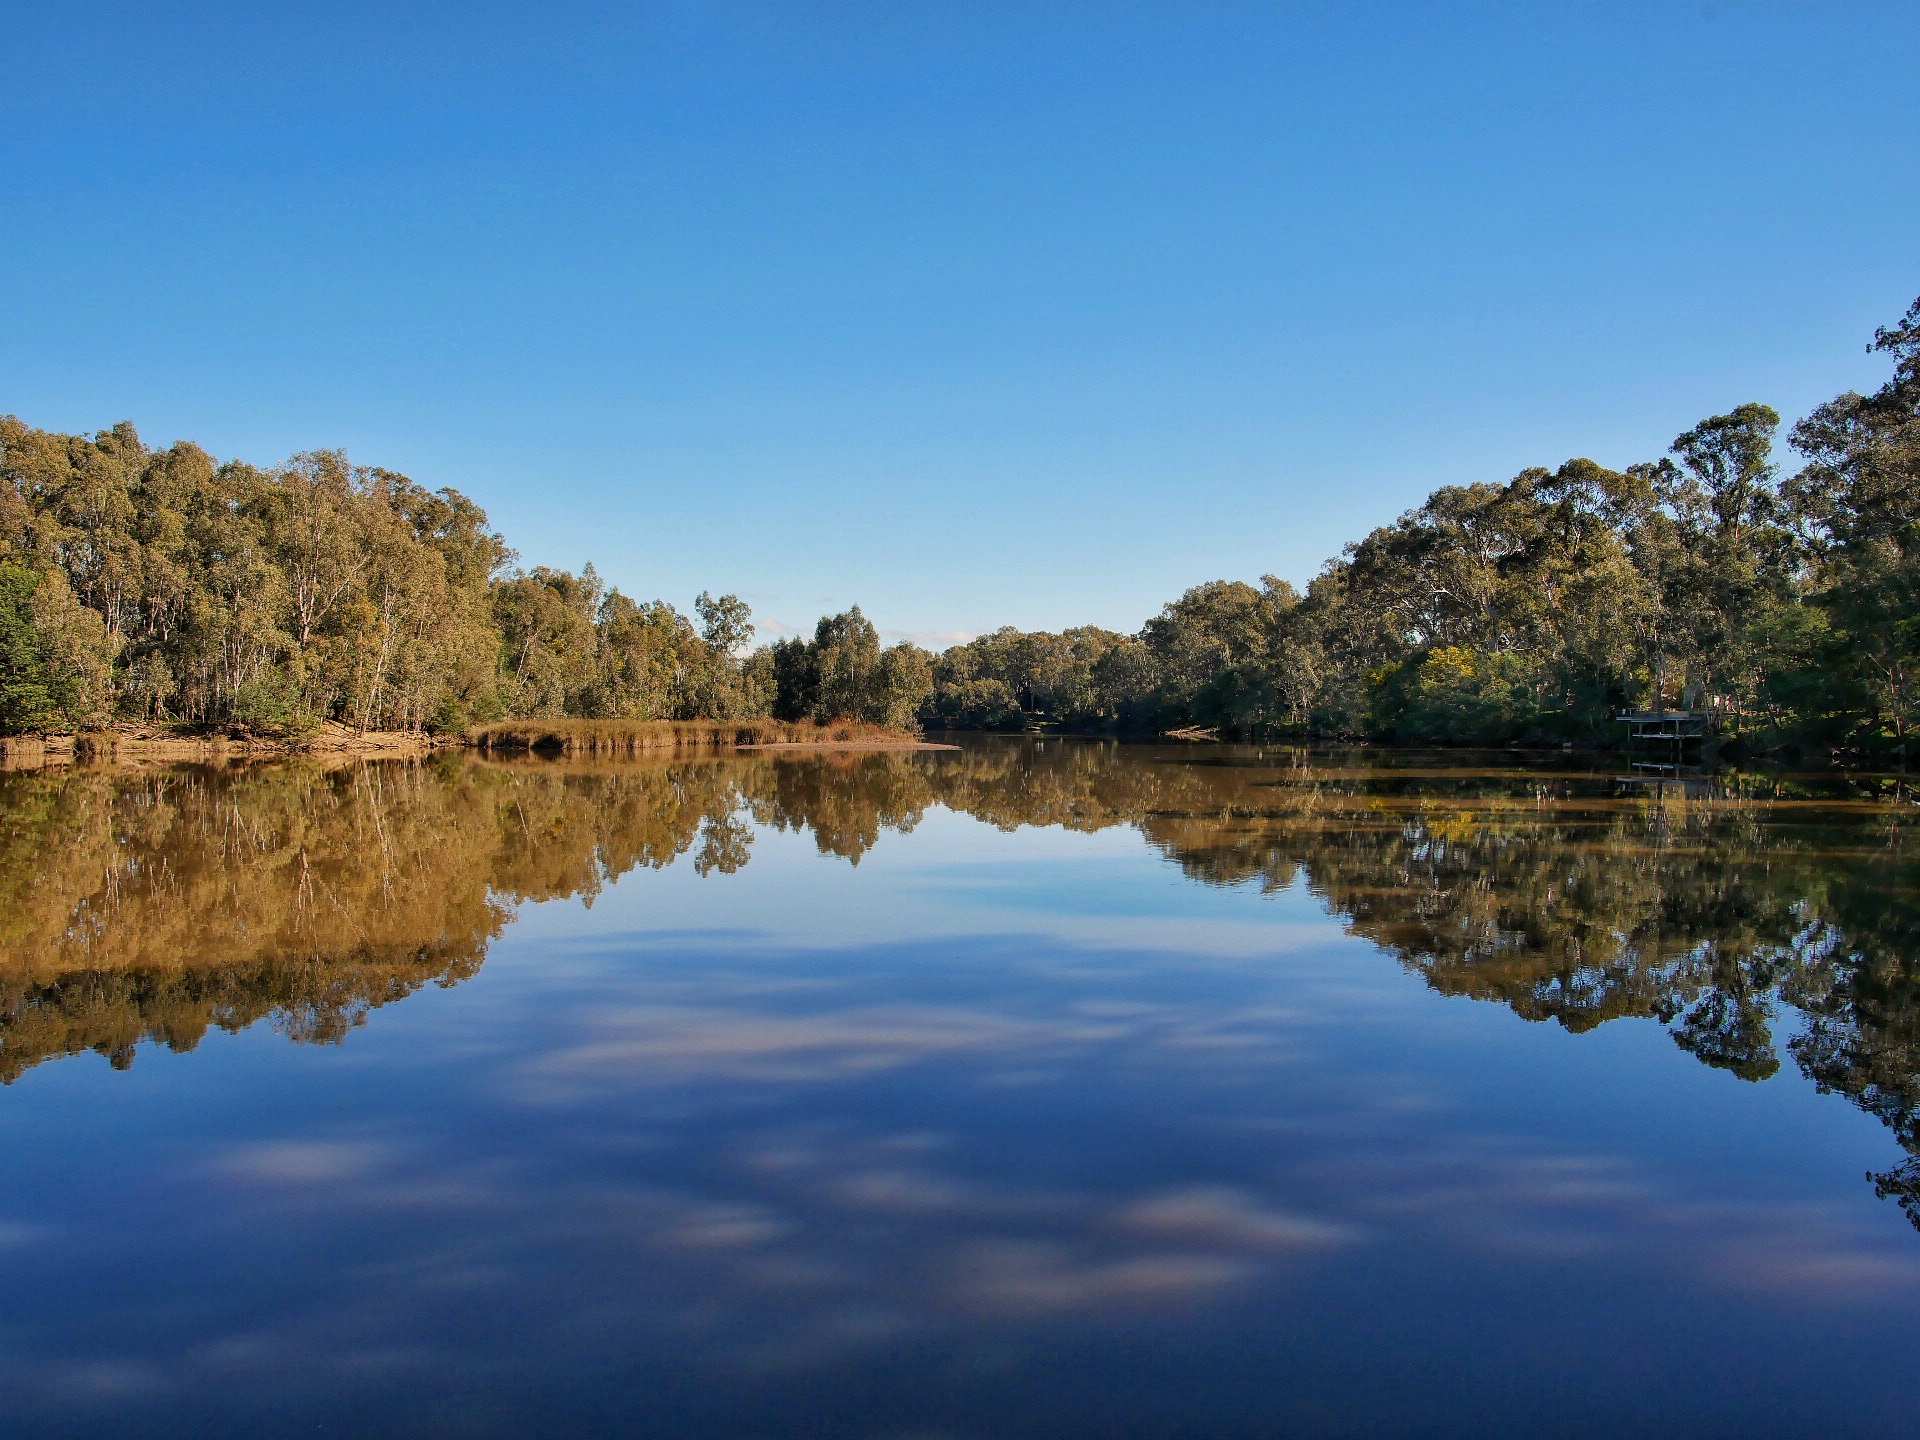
<point>1466,697</point>
<point>270,704</point>
<point>26,688</point>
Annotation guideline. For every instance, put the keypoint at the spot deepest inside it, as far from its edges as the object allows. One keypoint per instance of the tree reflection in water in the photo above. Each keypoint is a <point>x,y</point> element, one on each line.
<point>154,904</point>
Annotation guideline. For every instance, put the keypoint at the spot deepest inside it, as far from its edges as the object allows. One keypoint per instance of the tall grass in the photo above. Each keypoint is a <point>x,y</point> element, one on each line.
<point>627,736</point>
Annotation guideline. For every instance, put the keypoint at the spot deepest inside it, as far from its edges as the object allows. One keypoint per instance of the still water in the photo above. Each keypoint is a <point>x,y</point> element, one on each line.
<point>1043,1089</point>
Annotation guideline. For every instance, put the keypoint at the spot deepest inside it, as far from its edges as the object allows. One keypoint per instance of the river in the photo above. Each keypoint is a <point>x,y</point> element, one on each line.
<point>1047,1088</point>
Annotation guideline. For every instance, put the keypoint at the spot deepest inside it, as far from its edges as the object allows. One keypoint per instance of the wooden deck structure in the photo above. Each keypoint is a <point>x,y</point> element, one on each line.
<point>1667,727</point>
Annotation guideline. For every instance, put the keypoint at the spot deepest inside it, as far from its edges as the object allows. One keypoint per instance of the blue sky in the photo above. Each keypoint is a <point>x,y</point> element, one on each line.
<point>971,313</point>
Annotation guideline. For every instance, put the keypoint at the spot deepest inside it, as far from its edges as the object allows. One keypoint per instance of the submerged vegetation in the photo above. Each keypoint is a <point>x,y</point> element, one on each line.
<point>163,586</point>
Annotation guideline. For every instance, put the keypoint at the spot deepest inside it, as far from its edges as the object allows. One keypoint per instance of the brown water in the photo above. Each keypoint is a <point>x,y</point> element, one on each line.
<point>1047,1088</point>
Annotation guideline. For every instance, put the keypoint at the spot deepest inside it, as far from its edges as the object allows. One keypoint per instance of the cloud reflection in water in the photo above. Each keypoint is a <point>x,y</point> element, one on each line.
<point>1206,1156</point>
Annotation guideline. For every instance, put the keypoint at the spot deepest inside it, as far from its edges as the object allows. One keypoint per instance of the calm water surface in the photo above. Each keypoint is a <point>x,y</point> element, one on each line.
<point>1046,1089</point>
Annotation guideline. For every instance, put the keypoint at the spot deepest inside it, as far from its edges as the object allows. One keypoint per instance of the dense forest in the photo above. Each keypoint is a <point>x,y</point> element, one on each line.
<point>156,586</point>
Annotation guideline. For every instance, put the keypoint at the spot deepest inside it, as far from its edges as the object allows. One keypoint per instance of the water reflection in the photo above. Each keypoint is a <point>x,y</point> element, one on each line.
<point>154,905</point>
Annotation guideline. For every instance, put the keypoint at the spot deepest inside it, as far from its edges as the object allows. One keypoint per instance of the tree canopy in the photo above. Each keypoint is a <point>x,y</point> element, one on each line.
<point>1542,606</point>
<point>163,585</point>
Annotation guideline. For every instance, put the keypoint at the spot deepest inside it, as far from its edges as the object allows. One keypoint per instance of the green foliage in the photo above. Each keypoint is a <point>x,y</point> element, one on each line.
<point>1495,613</point>
<point>1462,696</point>
<point>725,624</point>
<point>844,674</point>
<point>55,655</point>
<point>26,697</point>
<point>1008,680</point>
<point>272,703</point>
<point>898,689</point>
<point>167,586</point>
<point>164,586</point>
<point>450,718</point>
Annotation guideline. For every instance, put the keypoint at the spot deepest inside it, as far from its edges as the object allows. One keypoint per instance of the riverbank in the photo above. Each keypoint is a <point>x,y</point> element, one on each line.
<point>162,745</point>
<point>165,745</point>
<point>624,737</point>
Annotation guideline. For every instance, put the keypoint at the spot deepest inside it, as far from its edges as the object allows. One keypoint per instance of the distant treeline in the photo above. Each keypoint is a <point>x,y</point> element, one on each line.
<point>1542,607</point>
<point>163,585</point>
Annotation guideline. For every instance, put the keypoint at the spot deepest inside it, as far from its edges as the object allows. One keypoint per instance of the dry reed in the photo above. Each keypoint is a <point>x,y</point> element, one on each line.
<point>628,736</point>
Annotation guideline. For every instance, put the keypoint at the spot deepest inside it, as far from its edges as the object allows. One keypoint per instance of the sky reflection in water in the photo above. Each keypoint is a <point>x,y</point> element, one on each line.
<point>1113,1091</point>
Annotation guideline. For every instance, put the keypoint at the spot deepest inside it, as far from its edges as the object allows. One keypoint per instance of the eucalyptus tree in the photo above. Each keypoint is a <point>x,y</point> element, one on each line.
<point>1856,506</point>
<point>843,673</point>
<point>726,687</point>
<point>548,641</point>
<point>649,661</point>
<point>726,624</point>
<point>1723,505</point>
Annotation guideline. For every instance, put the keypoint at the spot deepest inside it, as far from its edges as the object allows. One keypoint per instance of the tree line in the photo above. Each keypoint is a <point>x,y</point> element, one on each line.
<point>165,586</point>
<point>1788,606</point>
<point>149,585</point>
